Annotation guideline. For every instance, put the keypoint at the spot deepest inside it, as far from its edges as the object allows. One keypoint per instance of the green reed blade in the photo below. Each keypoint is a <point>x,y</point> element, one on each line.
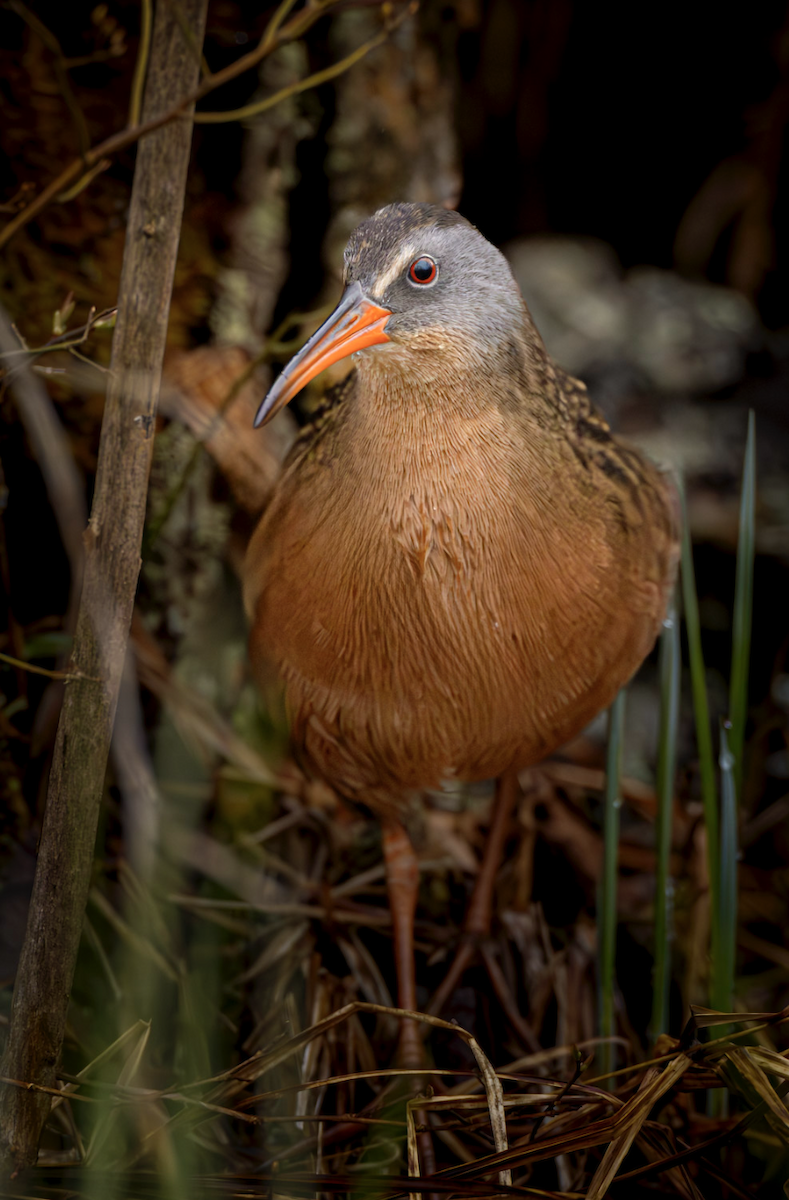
<point>723,978</point>
<point>701,712</point>
<point>743,608</point>
<point>607,896</point>
<point>669,672</point>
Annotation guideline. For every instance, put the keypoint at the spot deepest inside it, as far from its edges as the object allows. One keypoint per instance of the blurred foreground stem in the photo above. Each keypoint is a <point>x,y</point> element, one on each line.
<point>701,714</point>
<point>669,669</point>
<point>743,609</point>
<point>607,902</point>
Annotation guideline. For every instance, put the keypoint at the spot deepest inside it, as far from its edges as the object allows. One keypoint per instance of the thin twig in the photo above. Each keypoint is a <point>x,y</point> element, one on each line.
<point>302,85</point>
<point>65,341</point>
<point>64,676</point>
<point>141,65</point>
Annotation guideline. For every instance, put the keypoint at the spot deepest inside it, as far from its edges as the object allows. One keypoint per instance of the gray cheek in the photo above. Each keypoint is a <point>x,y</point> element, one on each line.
<point>419,306</point>
<point>397,295</point>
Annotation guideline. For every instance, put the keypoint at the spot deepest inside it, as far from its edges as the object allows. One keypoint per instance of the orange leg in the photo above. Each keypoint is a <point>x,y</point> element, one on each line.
<point>402,879</point>
<point>480,910</point>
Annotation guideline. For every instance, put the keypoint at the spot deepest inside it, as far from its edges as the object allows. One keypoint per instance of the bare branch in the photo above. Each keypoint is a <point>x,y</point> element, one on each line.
<point>319,77</point>
<point>295,28</point>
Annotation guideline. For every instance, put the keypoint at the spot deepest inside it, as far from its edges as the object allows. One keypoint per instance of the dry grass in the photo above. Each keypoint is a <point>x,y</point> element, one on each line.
<point>254,976</point>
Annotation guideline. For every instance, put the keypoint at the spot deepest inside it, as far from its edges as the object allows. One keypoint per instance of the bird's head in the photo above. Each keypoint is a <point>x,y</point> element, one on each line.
<point>424,292</point>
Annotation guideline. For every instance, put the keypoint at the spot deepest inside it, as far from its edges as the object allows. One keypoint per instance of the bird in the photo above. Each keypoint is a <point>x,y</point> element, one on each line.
<point>460,564</point>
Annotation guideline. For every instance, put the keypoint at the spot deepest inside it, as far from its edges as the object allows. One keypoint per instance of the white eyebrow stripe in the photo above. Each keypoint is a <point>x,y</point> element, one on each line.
<point>407,254</point>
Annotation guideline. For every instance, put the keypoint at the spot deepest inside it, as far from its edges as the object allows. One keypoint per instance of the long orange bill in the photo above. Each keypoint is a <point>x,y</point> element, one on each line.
<point>355,324</point>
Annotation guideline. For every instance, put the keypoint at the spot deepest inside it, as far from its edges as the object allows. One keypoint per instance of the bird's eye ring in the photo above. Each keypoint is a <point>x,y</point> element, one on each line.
<point>423,270</point>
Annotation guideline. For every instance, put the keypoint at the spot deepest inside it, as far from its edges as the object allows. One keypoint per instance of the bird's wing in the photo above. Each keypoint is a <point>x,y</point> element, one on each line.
<point>641,498</point>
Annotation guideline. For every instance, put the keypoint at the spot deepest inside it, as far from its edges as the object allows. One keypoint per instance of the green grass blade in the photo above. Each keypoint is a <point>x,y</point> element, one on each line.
<point>743,608</point>
<point>723,997</point>
<point>722,990</point>
<point>669,671</point>
<point>701,712</point>
<point>607,899</point>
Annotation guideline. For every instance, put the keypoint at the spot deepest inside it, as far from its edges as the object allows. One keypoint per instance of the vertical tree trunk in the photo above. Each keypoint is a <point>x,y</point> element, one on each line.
<point>112,564</point>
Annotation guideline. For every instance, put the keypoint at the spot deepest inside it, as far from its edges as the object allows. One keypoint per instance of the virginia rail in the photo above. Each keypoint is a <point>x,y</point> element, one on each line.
<point>460,564</point>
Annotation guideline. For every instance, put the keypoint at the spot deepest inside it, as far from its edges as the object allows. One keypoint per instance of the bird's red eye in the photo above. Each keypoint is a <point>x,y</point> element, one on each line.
<point>423,270</point>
